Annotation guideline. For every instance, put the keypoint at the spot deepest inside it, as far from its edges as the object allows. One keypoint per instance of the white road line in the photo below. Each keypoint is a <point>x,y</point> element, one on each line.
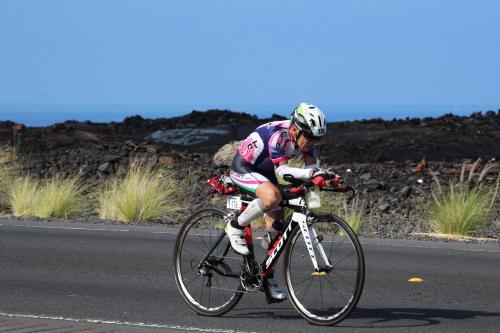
<point>85,229</point>
<point>428,247</point>
<point>67,228</point>
<point>174,233</point>
<point>124,323</point>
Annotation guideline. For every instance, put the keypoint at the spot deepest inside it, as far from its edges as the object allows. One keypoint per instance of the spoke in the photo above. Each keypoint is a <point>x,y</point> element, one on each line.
<point>191,253</point>
<point>202,250</point>
<point>219,249</point>
<point>321,292</point>
<point>346,282</point>
<point>209,296</point>
<point>336,290</point>
<point>202,287</point>
<point>331,245</point>
<point>200,234</point>
<point>338,262</point>
<point>309,285</point>
<point>337,246</point>
<point>190,281</point>
<point>187,270</point>
<point>301,249</point>
<point>201,238</point>
<point>210,235</point>
<point>333,241</point>
<point>218,286</point>
<point>307,278</point>
<point>332,289</point>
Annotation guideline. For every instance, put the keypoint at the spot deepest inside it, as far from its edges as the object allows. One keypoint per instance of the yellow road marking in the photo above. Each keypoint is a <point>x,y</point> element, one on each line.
<point>416,280</point>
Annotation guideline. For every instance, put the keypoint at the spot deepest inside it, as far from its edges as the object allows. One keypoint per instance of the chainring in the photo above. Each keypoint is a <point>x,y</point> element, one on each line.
<point>251,276</point>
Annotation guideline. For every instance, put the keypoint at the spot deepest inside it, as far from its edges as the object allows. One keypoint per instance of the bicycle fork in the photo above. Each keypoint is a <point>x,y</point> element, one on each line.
<point>313,242</point>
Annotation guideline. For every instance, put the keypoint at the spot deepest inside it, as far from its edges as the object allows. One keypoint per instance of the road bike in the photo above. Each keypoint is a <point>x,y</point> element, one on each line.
<point>323,264</point>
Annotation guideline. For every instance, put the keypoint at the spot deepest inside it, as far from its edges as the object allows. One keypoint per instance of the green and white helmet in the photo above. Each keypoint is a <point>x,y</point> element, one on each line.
<point>310,120</point>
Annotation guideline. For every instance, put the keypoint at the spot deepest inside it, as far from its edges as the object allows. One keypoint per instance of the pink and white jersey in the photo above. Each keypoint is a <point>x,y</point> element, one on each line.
<point>270,141</point>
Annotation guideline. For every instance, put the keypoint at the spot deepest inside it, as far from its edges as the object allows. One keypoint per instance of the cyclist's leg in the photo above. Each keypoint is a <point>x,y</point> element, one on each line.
<point>259,182</point>
<point>274,217</point>
<point>252,182</point>
<point>259,186</point>
<point>271,195</point>
<point>274,225</point>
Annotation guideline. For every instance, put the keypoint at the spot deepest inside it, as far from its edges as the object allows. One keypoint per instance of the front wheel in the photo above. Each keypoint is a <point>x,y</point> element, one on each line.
<point>207,270</point>
<point>328,296</point>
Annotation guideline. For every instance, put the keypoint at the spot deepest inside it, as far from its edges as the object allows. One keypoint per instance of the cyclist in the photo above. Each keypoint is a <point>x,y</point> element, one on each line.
<point>262,155</point>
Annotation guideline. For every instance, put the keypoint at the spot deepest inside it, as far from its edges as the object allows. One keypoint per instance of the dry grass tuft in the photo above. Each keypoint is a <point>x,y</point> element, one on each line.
<point>461,208</point>
<point>57,197</point>
<point>143,191</point>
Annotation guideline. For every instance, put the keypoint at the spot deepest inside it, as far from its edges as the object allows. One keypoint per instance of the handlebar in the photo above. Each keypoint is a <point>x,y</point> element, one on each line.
<point>299,186</point>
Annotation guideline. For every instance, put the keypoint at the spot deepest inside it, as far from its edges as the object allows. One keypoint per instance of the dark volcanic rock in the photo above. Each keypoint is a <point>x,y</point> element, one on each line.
<point>383,155</point>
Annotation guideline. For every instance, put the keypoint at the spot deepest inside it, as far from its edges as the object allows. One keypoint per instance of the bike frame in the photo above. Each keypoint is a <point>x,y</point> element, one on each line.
<point>300,219</point>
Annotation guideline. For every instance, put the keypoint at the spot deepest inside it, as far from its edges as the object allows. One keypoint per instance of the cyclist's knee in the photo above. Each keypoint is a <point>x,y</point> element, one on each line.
<point>276,198</point>
<point>269,194</point>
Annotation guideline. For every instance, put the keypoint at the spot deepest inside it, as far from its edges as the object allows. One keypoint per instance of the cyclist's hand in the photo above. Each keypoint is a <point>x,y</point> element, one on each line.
<point>335,180</point>
<point>320,177</point>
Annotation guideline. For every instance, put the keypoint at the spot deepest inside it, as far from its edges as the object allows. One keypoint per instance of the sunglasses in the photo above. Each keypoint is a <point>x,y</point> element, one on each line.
<point>310,138</point>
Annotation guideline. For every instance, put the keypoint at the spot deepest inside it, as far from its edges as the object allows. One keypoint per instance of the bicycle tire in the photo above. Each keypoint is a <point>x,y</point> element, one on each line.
<point>183,265</point>
<point>310,309</point>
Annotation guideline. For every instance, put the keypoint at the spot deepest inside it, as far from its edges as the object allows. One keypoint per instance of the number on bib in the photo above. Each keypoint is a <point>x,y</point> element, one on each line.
<point>233,202</point>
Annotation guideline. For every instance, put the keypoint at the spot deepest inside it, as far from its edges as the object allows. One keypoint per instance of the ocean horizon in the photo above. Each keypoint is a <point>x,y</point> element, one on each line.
<point>48,114</point>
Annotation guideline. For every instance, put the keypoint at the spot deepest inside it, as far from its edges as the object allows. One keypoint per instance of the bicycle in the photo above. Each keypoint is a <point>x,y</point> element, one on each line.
<point>212,277</point>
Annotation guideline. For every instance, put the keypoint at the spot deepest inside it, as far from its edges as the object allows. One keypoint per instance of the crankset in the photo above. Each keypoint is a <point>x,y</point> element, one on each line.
<point>251,275</point>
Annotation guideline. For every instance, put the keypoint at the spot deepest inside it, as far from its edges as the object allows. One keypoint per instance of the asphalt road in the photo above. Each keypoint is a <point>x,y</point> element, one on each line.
<point>67,277</point>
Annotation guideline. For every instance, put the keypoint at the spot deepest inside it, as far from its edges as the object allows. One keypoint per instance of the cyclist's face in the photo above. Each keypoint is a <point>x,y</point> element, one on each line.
<point>305,143</point>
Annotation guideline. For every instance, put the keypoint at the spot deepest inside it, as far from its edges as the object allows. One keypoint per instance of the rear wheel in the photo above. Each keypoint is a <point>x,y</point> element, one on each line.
<point>209,285</point>
<point>328,296</point>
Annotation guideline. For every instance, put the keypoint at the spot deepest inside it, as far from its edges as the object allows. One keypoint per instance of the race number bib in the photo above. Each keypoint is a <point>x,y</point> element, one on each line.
<point>233,202</point>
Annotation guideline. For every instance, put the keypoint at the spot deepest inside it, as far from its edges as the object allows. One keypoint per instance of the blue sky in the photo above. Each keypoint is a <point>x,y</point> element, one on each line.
<point>250,52</point>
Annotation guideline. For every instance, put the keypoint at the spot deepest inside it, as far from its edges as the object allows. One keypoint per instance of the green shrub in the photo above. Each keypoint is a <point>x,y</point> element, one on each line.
<point>141,192</point>
<point>354,213</point>
<point>57,197</point>
<point>61,197</point>
<point>461,208</point>
<point>22,195</point>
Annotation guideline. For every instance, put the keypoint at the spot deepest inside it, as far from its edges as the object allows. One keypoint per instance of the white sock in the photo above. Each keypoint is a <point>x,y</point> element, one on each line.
<point>254,210</point>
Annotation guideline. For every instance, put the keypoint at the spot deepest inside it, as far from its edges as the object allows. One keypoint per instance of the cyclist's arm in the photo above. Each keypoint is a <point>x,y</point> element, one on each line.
<point>310,161</point>
<point>282,168</point>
